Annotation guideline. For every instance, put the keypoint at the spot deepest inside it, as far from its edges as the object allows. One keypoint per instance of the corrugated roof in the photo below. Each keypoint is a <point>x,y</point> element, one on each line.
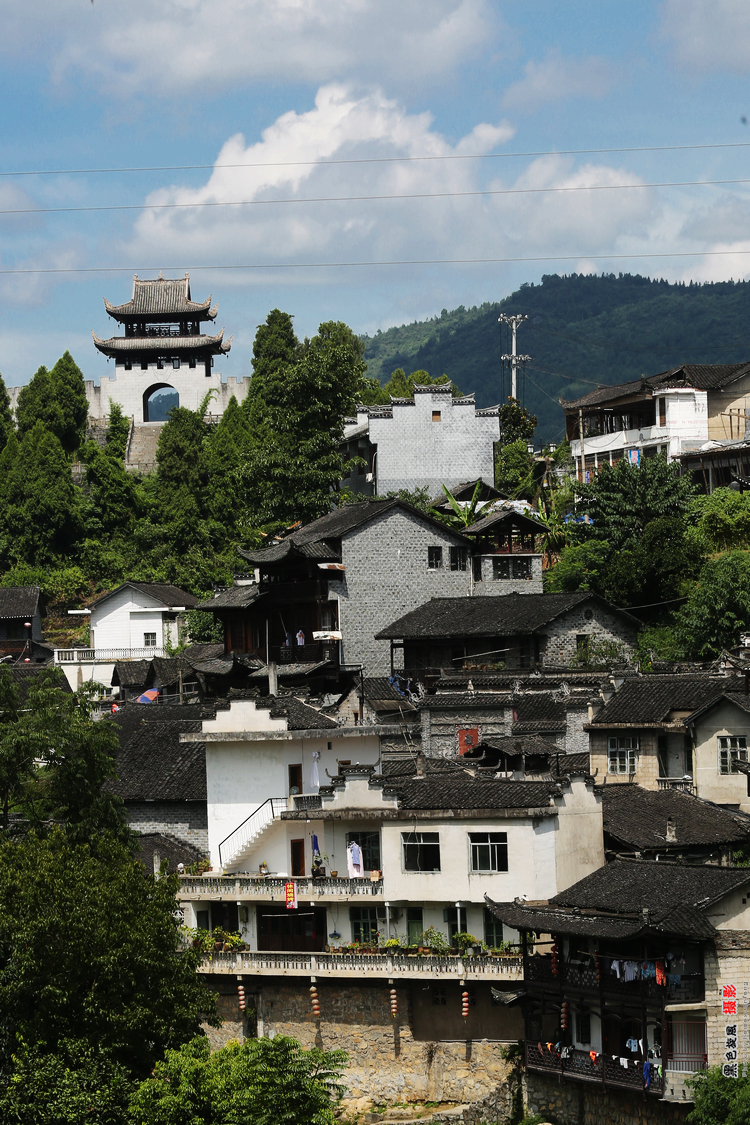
<point>505,615</point>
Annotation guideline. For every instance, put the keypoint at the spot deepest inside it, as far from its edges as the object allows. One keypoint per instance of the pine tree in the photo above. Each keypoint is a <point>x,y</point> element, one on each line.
<point>226,450</point>
<point>42,523</point>
<point>37,402</point>
<point>69,389</point>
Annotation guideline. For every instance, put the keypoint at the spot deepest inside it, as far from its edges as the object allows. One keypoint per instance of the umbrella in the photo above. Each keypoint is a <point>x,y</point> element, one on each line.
<point>148,696</point>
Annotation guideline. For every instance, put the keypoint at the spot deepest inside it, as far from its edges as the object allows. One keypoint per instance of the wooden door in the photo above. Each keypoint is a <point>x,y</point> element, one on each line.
<point>298,857</point>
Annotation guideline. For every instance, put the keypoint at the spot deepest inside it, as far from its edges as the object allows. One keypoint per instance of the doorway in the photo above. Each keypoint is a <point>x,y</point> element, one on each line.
<point>298,858</point>
<point>295,780</point>
<point>299,931</point>
<point>158,400</point>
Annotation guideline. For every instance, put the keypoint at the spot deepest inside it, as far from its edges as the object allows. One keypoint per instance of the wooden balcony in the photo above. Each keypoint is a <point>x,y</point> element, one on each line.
<point>603,1070</point>
<point>391,966</point>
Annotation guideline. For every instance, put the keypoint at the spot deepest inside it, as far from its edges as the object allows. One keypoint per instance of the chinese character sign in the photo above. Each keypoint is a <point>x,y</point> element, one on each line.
<point>291,896</point>
<point>730,1066</point>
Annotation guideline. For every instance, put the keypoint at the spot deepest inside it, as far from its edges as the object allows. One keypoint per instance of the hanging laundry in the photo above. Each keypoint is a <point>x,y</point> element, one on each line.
<point>631,970</point>
<point>593,1055</point>
<point>632,1045</point>
<point>615,968</point>
<point>661,976</point>
<point>647,1073</point>
<point>315,846</point>
<point>648,970</point>
<point>354,860</point>
<point>314,775</point>
<point>624,1064</point>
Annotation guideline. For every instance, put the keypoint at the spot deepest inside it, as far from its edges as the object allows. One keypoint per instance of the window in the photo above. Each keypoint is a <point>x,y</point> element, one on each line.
<point>414,924</point>
<point>149,640</point>
<point>459,558</point>
<point>436,415</point>
<point>192,365</point>
<point>583,1027</point>
<point>493,929</point>
<point>128,365</point>
<point>489,851</point>
<point>421,851</point>
<point>298,857</point>
<point>662,422</point>
<point>476,568</point>
<point>439,997</point>
<point>369,842</point>
<point>202,919</point>
<point>623,751</point>
<point>176,364</point>
<point>434,558</point>
<point>364,921</point>
<point>732,749</point>
<point>583,648</point>
<point>500,569</point>
<point>522,568</point>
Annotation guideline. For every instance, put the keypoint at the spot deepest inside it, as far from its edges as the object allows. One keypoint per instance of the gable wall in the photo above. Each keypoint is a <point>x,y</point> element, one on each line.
<point>734,398</point>
<point>725,718</point>
<point>113,625</point>
<point>602,625</point>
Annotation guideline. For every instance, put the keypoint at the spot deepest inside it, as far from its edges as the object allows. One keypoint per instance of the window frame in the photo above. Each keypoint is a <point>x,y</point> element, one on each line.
<point>492,925</point>
<point>364,929</point>
<point>147,643</point>
<point>497,852</point>
<point>459,558</point>
<point>521,569</point>
<point>631,751</point>
<point>408,841</point>
<point>435,558</point>
<point>501,564</point>
<point>730,754</point>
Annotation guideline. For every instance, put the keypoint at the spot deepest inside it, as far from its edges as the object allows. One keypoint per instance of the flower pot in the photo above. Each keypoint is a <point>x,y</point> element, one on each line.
<point>334,874</point>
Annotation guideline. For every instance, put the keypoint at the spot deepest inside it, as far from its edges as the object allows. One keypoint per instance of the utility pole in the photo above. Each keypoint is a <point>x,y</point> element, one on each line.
<point>513,321</point>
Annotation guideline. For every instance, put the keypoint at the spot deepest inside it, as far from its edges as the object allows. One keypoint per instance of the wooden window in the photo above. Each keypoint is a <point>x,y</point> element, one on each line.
<point>364,923</point>
<point>583,1027</point>
<point>149,640</point>
<point>434,558</point>
<point>662,412</point>
<point>298,857</point>
<point>414,924</point>
<point>295,779</point>
<point>493,929</point>
<point>459,558</point>
<point>732,749</point>
<point>436,415</point>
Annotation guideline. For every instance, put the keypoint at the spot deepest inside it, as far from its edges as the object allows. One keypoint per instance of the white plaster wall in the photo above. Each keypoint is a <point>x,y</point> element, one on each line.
<point>580,834</point>
<point>79,673</point>
<point>727,789</point>
<point>732,912</point>
<point>240,776</point>
<point>115,625</point>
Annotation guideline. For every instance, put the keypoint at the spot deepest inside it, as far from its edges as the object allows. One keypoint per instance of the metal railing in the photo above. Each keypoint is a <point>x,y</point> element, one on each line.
<point>104,655</point>
<point>425,966</point>
<point>235,843</point>
<point>272,886</point>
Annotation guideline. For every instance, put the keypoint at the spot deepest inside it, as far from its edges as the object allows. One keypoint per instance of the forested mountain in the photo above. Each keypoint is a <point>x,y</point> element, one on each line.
<point>583,330</point>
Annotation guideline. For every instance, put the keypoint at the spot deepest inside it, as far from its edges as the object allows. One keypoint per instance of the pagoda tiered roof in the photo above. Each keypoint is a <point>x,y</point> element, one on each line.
<point>164,345</point>
<point>162,299</point>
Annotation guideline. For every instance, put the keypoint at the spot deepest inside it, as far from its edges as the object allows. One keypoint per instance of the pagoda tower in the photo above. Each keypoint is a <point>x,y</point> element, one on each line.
<point>163,328</point>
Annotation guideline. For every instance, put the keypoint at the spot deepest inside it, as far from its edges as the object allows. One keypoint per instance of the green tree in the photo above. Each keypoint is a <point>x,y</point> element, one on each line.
<point>721,521</point>
<point>90,951</point>
<point>621,501</point>
<point>580,567</point>
<point>718,607</point>
<point>460,517</point>
<point>514,470</point>
<point>37,402</point>
<point>719,1100</point>
<point>263,1081</point>
<point>516,423</point>
<point>40,523</point>
<point>225,451</point>
<point>6,417</point>
<point>69,389</point>
<point>55,760</point>
<point>118,428</point>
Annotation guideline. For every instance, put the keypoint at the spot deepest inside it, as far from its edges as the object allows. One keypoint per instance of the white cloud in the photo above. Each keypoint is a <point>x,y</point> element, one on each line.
<point>558,77</point>
<point>709,34</point>
<point>138,47</point>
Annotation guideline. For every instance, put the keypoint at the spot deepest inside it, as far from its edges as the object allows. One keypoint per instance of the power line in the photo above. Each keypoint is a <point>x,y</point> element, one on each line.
<point>362,198</point>
<point>371,160</point>
<point>391,262</point>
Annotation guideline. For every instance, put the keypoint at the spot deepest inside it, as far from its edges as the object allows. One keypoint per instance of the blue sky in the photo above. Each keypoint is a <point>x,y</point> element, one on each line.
<point>126,83</point>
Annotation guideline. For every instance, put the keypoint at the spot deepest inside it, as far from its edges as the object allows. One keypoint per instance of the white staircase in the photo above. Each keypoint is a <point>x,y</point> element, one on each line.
<point>240,844</point>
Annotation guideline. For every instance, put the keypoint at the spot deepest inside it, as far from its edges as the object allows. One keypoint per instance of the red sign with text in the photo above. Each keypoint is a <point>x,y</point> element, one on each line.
<point>291,896</point>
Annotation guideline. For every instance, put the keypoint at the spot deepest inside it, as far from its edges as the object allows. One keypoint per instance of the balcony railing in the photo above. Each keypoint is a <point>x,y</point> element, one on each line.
<point>304,654</point>
<point>358,965</point>
<point>602,1069</point>
<point>684,784</point>
<point>686,989</point>
<point>104,655</point>
<point>273,887</point>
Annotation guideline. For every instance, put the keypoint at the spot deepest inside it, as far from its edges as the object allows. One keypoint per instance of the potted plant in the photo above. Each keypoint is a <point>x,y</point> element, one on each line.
<point>467,944</point>
<point>334,874</point>
<point>263,868</point>
<point>391,944</point>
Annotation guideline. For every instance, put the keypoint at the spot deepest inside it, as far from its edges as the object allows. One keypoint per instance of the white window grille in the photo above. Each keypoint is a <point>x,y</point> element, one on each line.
<point>732,749</point>
<point>623,753</point>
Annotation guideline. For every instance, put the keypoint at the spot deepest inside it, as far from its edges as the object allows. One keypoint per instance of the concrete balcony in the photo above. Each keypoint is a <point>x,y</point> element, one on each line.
<point>272,888</point>
<point>401,966</point>
<point>684,784</point>
<point>104,655</point>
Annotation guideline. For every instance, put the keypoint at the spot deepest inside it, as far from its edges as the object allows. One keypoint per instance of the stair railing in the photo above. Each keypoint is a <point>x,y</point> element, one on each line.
<point>250,827</point>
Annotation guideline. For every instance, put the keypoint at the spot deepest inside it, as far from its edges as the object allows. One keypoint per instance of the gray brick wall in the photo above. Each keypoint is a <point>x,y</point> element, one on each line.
<point>187,820</point>
<point>491,585</point>
<point>415,452</point>
<point>439,727</point>
<point>387,576</point>
<point>591,620</point>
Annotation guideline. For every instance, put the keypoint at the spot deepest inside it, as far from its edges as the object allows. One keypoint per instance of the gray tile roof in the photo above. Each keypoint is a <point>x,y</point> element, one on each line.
<point>130,673</point>
<point>163,592</point>
<point>702,376</point>
<point>637,818</point>
<point>496,520</point>
<point>235,597</point>
<point>24,675</point>
<point>160,297</point>
<point>457,792</point>
<point>650,699</point>
<point>153,765</point>
<point>298,715</point>
<point>505,615</point>
<point>19,601</point>
<point>169,848</point>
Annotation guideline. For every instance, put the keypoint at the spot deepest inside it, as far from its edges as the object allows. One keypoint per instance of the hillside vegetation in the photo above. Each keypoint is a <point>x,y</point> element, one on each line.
<point>582,331</point>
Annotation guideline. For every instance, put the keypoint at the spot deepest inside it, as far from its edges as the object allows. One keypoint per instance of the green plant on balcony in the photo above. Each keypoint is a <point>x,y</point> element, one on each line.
<point>465,941</point>
<point>200,865</point>
<point>391,943</point>
<point>435,941</point>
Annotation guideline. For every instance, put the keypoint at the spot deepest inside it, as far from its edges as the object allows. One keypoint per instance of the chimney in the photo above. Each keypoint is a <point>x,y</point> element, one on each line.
<point>595,706</point>
<point>671,831</point>
<point>273,679</point>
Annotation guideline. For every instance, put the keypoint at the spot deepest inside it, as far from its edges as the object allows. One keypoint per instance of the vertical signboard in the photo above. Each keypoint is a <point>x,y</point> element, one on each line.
<point>291,896</point>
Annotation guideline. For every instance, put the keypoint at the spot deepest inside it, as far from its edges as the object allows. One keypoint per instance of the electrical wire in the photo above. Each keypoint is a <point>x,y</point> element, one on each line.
<point>361,198</point>
<point>372,160</point>
<point>390,262</point>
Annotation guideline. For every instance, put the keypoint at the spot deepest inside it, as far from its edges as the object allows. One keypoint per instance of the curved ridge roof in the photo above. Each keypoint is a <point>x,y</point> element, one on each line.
<point>162,297</point>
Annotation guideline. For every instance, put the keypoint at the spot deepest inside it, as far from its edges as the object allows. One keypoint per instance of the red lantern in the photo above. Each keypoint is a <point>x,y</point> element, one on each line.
<point>555,957</point>
<point>565,1016</point>
<point>314,1000</point>
<point>464,1004</point>
<point>394,1002</point>
<point>241,994</point>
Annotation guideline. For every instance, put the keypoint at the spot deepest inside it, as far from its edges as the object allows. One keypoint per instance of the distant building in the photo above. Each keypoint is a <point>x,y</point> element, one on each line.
<point>673,412</point>
<point>21,612</point>
<point>424,442</point>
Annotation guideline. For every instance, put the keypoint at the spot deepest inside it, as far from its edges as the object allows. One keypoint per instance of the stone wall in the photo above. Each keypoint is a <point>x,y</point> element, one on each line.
<point>575,1103</point>
<point>387,1064</point>
<point>439,726</point>
<point>187,820</point>
<point>646,763</point>
<point>592,620</point>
